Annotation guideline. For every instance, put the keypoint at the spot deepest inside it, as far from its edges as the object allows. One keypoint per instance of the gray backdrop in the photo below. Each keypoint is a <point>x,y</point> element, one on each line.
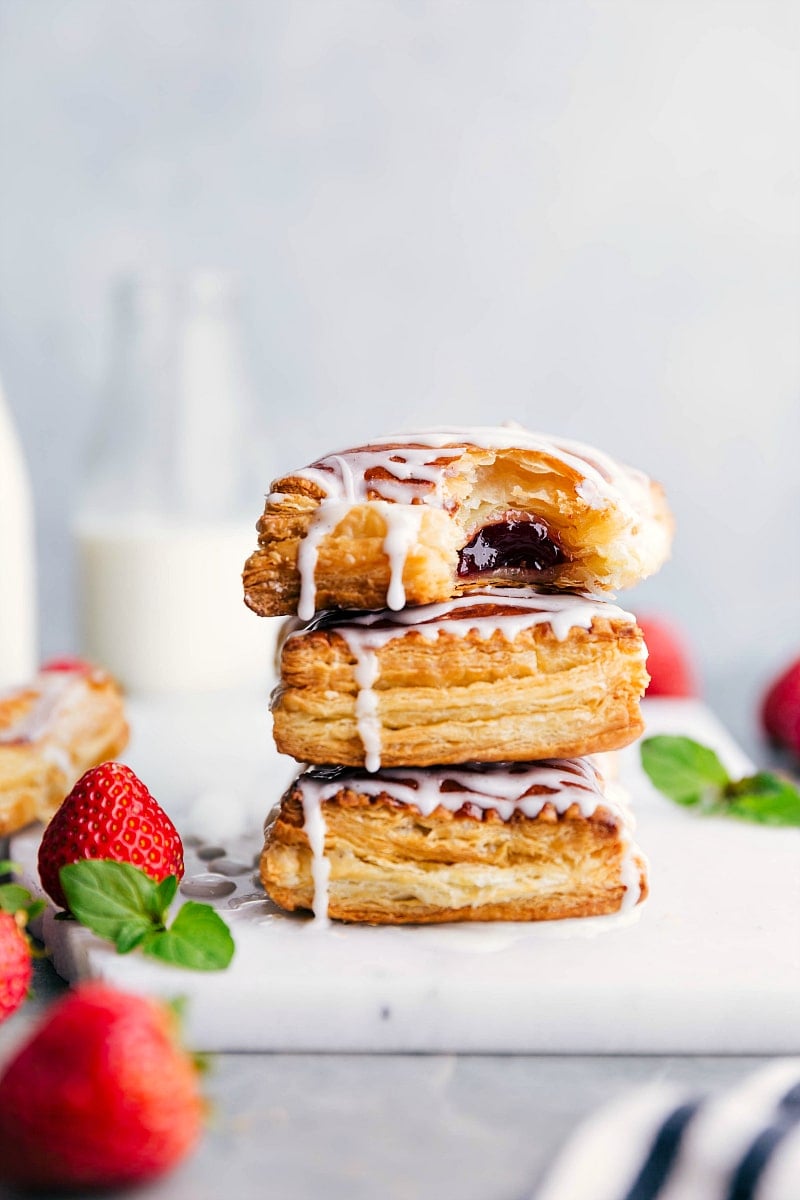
<point>580,215</point>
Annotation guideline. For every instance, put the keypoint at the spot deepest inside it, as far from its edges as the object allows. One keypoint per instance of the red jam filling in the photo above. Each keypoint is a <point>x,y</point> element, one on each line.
<point>524,549</point>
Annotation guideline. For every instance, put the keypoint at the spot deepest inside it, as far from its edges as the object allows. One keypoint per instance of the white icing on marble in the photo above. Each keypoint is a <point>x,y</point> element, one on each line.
<point>503,788</point>
<point>521,608</point>
<point>55,691</point>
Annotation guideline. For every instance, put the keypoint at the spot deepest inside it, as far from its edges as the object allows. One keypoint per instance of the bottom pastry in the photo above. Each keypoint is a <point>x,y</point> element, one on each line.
<point>501,842</point>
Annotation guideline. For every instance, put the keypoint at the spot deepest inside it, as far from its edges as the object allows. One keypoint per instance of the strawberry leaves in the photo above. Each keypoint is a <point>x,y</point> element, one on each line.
<point>121,904</point>
<point>693,775</point>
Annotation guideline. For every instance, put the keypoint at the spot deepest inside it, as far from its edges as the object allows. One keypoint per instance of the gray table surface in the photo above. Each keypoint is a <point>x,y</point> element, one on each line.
<point>399,1127</point>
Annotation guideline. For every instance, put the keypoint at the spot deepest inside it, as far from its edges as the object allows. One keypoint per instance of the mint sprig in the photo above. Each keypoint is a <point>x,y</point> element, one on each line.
<point>121,904</point>
<point>14,898</point>
<point>693,775</point>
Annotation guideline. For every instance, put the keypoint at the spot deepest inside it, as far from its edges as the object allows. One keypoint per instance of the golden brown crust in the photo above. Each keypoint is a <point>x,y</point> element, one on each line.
<point>352,569</point>
<point>462,698</point>
<point>36,775</point>
<point>391,865</point>
<point>608,546</point>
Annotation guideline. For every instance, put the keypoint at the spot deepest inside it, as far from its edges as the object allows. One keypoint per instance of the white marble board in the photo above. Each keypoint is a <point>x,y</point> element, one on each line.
<point>711,963</point>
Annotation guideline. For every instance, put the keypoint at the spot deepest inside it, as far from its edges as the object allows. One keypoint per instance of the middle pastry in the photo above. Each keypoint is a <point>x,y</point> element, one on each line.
<point>497,675</point>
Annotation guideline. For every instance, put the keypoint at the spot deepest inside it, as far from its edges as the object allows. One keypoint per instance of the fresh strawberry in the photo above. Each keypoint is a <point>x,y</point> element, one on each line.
<point>109,814</point>
<point>15,965</point>
<point>68,663</point>
<point>100,1096</point>
<point>780,713</point>
<point>668,661</point>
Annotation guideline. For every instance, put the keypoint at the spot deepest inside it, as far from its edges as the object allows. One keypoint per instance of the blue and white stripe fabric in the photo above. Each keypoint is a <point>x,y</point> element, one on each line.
<point>663,1143</point>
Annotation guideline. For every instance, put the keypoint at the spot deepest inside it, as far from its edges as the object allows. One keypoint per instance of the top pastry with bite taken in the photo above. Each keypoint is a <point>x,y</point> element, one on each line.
<point>420,517</point>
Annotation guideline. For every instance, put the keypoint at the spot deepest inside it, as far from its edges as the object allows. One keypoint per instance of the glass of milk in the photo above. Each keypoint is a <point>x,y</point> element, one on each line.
<point>175,483</point>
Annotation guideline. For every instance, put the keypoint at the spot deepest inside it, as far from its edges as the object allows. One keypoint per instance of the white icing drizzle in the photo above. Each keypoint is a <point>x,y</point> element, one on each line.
<point>53,693</point>
<point>405,457</point>
<point>324,520</point>
<point>630,875</point>
<point>402,530</point>
<point>367,718</point>
<point>403,472</point>
<point>314,828</point>
<point>412,476</point>
<point>521,608</point>
<point>501,787</point>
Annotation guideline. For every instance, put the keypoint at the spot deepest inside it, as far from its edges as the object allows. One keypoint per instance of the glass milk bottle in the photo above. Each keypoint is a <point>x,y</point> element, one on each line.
<point>18,652</point>
<point>175,485</point>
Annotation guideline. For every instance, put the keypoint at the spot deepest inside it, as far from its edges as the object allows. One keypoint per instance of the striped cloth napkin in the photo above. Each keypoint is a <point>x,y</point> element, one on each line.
<point>663,1143</point>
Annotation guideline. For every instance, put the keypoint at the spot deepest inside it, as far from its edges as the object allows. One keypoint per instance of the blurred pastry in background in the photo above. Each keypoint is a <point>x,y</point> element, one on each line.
<point>68,718</point>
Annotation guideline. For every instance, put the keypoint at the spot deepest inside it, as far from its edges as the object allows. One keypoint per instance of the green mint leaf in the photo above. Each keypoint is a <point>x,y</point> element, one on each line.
<point>9,868</point>
<point>13,897</point>
<point>683,769</point>
<point>131,935</point>
<point>765,797</point>
<point>198,938</point>
<point>36,908</point>
<point>166,891</point>
<point>109,897</point>
<point>120,903</point>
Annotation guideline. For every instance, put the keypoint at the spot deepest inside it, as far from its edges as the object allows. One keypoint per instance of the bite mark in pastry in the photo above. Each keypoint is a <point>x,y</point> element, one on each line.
<point>416,518</point>
<point>51,731</point>
<point>495,675</point>
<point>511,842</point>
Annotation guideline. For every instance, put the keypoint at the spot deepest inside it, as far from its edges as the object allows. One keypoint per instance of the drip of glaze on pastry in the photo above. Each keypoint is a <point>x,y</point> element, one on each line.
<point>50,694</point>
<point>402,530</point>
<point>519,547</point>
<point>403,472</point>
<point>505,788</point>
<point>486,612</point>
<point>314,828</point>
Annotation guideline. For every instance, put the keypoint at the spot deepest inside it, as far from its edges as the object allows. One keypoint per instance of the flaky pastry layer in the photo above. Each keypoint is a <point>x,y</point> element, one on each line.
<point>82,724</point>
<point>606,539</point>
<point>392,865</point>
<point>463,697</point>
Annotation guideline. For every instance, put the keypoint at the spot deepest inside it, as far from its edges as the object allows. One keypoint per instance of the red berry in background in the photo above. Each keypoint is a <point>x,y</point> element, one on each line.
<point>15,965</point>
<point>780,713</point>
<point>669,662</point>
<point>101,1095</point>
<point>109,814</point>
<point>68,664</point>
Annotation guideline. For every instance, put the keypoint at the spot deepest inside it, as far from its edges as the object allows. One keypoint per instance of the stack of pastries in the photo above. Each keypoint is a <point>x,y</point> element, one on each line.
<point>451,672</point>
